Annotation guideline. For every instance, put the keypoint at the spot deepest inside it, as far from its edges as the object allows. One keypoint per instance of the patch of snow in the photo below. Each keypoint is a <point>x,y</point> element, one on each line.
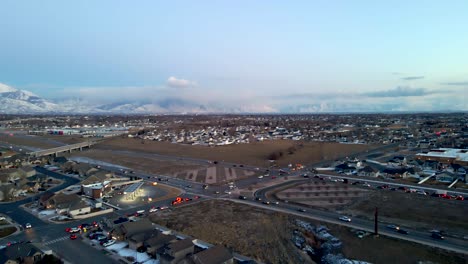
<point>118,246</point>
<point>46,212</point>
<point>139,257</point>
<point>96,162</point>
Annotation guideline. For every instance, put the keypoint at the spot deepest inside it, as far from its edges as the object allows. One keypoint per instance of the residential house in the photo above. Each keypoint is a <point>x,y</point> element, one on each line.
<point>136,240</point>
<point>175,252</point>
<point>43,200</point>
<point>214,255</point>
<point>345,168</point>
<point>24,253</point>
<point>126,230</point>
<point>27,171</point>
<point>79,208</point>
<point>368,171</point>
<point>155,244</point>
<point>66,203</point>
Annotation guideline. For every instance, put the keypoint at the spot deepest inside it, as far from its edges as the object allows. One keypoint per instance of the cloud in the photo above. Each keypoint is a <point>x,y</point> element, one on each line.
<point>410,78</point>
<point>456,83</point>
<point>401,91</point>
<point>179,83</point>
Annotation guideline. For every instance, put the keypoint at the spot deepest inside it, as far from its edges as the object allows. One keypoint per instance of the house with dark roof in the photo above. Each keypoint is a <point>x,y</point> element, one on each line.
<point>176,251</point>
<point>21,253</point>
<point>66,204</point>
<point>344,168</point>
<point>135,241</point>
<point>368,171</point>
<point>126,230</point>
<point>214,255</point>
<point>155,244</point>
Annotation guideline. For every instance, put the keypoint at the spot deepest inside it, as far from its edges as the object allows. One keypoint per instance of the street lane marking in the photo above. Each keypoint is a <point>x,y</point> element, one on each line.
<point>56,240</point>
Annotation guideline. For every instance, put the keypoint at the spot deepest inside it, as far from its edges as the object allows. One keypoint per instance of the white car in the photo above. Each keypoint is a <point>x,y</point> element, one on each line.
<point>2,218</point>
<point>345,218</point>
<point>74,230</point>
<point>28,226</point>
<point>153,210</point>
<point>108,243</point>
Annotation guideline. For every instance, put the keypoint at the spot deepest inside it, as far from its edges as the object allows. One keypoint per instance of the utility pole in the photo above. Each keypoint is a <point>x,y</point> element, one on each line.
<point>376,222</point>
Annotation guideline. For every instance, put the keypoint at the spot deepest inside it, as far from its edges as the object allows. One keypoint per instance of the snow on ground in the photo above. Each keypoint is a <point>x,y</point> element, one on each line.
<point>46,212</point>
<point>151,261</point>
<point>139,257</point>
<point>117,246</point>
<point>96,162</point>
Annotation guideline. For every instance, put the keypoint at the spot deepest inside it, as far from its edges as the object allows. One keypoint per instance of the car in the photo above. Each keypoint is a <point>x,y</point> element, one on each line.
<point>163,207</point>
<point>266,202</point>
<point>2,218</point>
<point>67,229</point>
<point>437,236</point>
<point>394,227</point>
<point>242,197</point>
<point>108,243</point>
<point>74,230</point>
<point>28,226</point>
<point>260,177</point>
<point>345,218</point>
<point>402,231</point>
<point>276,202</point>
<point>196,197</point>
<point>258,199</point>
<point>73,236</point>
<point>216,192</point>
<point>205,186</point>
<point>189,186</point>
<point>153,210</point>
<point>227,192</point>
<point>273,177</point>
<point>101,238</point>
<point>301,210</point>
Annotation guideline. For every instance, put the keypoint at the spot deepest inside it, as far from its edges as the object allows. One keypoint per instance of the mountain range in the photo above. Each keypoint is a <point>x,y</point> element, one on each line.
<point>15,101</point>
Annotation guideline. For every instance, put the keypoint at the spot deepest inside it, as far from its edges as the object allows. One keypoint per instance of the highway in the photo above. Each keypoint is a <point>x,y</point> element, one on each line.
<point>47,232</point>
<point>332,217</point>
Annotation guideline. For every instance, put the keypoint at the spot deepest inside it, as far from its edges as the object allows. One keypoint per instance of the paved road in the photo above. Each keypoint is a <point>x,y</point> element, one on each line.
<point>22,217</point>
<point>332,217</point>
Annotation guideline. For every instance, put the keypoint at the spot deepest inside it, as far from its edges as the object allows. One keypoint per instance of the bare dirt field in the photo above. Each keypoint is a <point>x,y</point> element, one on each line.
<point>253,232</point>
<point>30,141</point>
<point>256,154</point>
<point>388,250</point>
<point>152,165</point>
<point>267,236</point>
<point>208,173</point>
<point>413,210</point>
<point>321,194</point>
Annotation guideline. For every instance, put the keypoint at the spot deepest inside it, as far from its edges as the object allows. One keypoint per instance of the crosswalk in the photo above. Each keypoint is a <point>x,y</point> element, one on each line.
<point>49,242</point>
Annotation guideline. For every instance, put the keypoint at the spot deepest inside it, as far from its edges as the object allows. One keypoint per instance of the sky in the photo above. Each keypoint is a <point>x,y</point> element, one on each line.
<point>255,56</point>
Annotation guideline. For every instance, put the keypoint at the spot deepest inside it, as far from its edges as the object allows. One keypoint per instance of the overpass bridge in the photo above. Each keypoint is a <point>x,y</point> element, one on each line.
<point>66,148</point>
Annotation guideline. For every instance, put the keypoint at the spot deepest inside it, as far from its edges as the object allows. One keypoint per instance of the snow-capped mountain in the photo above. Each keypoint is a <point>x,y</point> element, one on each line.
<point>14,101</point>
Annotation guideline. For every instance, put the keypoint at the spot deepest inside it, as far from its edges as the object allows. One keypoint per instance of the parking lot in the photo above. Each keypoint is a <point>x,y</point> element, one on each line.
<point>146,194</point>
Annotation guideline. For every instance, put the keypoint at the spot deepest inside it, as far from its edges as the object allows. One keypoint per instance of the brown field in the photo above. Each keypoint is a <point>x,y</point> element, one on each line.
<point>182,169</point>
<point>321,194</point>
<point>21,140</point>
<point>414,210</point>
<point>389,250</point>
<point>233,225</point>
<point>6,231</point>
<point>266,235</point>
<point>152,165</point>
<point>256,154</point>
